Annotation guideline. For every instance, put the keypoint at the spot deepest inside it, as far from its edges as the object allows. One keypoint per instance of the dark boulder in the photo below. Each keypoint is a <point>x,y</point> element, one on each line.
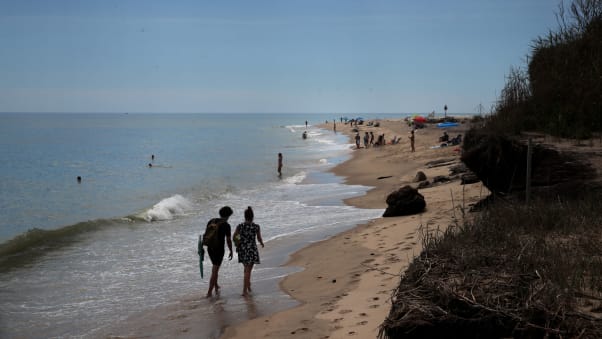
<point>469,178</point>
<point>424,184</point>
<point>441,179</point>
<point>404,201</point>
<point>420,176</point>
<point>458,169</point>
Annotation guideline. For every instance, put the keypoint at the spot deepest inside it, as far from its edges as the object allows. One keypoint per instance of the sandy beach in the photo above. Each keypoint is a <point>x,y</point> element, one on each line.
<point>347,280</point>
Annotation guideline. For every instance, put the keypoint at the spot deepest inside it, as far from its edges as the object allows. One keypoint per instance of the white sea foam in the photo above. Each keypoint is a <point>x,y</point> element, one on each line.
<point>167,208</point>
<point>295,179</point>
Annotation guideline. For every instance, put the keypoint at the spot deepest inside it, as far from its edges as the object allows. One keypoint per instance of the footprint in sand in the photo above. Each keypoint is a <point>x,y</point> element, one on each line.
<point>374,306</point>
<point>363,314</point>
<point>303,329</point>
<point>362,323</point>
<point>351,333</point>
<point>345,311</point>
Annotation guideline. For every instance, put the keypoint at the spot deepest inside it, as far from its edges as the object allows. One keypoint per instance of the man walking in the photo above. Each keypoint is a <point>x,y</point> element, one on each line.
<point>217,232</point>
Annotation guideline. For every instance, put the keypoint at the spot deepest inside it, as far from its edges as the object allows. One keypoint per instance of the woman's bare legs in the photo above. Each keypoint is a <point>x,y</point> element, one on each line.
<point>247,280</point>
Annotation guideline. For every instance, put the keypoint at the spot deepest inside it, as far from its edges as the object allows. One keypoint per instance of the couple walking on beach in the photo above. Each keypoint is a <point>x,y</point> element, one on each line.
<point>218,233</point>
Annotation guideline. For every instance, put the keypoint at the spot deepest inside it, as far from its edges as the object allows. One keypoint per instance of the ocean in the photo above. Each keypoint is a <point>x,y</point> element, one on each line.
<point>79,257</point>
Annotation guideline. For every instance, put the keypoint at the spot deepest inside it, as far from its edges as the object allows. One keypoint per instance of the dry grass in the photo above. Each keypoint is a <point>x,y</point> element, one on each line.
<point>512,271</point>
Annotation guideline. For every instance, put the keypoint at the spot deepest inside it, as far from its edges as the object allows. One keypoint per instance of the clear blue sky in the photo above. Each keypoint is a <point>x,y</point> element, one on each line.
<point>323,56</point>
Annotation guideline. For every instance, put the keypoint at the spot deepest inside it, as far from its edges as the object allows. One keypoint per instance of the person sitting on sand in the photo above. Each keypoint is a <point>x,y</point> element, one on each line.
<point>444,137</point>
<point>248,254</point>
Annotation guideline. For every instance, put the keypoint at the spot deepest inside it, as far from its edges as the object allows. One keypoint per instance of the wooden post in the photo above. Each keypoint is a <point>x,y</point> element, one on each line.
<point>528,180</point>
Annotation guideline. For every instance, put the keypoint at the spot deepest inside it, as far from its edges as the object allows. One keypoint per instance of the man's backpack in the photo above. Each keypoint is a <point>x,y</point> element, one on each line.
<point>211,236</point>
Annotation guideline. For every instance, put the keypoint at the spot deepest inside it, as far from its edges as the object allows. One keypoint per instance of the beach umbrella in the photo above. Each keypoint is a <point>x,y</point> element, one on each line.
<point>419,119</point>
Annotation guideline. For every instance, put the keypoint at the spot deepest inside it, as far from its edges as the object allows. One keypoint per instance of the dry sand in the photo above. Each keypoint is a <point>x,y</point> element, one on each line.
<point>347,281</point>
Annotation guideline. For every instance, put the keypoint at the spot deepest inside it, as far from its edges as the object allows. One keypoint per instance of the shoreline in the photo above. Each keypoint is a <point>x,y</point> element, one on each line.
<point>346,283</point>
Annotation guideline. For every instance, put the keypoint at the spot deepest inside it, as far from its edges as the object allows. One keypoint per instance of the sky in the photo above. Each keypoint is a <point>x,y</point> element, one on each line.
<point>322,56</point>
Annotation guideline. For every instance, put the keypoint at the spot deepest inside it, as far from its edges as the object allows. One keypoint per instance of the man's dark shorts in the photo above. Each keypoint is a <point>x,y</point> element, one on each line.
<point>216,256</point>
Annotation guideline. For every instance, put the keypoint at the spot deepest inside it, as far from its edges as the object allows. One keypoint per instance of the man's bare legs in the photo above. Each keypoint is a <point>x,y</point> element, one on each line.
<point>213,281</point>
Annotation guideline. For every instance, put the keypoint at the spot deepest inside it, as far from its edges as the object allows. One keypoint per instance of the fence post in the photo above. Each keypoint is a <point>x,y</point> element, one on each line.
<point>528,180</point>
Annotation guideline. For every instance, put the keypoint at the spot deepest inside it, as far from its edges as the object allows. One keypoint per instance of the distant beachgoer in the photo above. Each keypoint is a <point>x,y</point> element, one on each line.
<point>366,139</point>
<point>305,124</point>
<point>357,140</point>
<point>371,138</point>
<point>79,179</point>
<point>153,157</point>
<point>214,239</point>
<point>334,126</point>
<point>444,137</point>
<point>150,165</point>
<point>412,140</point>
<point>248,254</point>
<point>279,164</point>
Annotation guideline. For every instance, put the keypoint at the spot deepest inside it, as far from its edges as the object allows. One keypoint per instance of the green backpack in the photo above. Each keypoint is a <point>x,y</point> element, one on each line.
<point>211,236</point>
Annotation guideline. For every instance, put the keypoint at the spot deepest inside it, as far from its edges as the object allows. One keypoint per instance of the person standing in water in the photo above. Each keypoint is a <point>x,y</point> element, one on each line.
<point>248,254</point>
<point>279,164</point>
<point>215,245</point>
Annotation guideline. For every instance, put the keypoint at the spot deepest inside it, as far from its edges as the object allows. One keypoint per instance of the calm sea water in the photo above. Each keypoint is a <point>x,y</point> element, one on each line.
<point>76,258</point>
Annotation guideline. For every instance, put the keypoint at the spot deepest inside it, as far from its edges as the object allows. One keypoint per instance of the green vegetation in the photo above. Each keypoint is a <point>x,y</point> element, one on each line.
<point>560,93</point>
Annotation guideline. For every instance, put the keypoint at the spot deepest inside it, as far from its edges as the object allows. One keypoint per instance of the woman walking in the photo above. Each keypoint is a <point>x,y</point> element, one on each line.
<point>248,254</point>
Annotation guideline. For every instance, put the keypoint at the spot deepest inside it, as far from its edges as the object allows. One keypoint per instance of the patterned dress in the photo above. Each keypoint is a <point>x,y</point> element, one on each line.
<point>247,248</point>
